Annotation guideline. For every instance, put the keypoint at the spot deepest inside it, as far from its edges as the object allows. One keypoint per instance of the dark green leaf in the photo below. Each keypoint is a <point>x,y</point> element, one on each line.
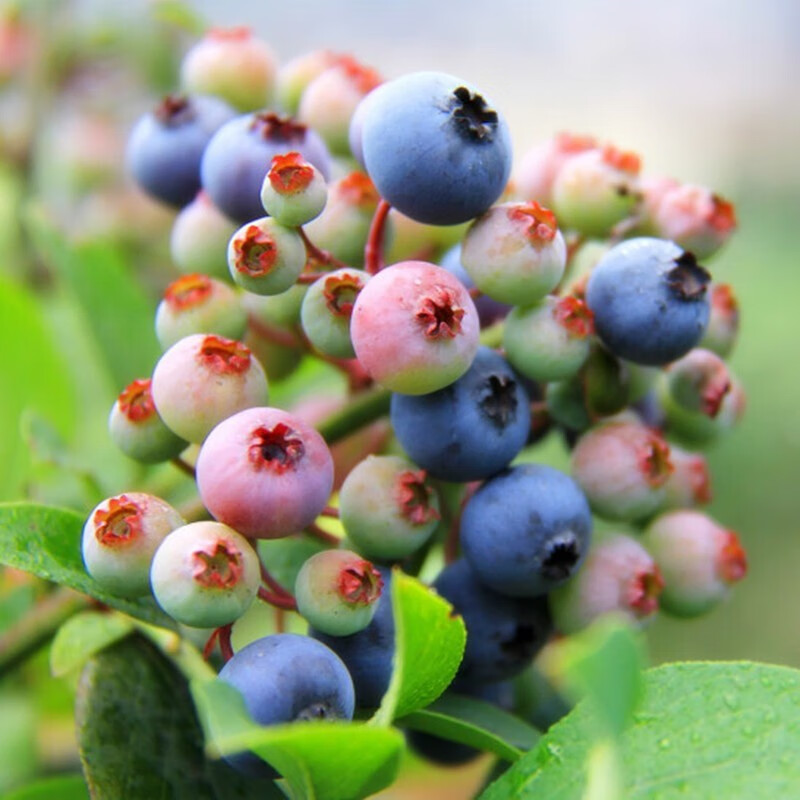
<point>64,787</point>
<point>83,635</point>
<point>476,723</point>
<point>429,645</point>
<point>321,760</point>
<point>47,542</point>
<point>702,730</point>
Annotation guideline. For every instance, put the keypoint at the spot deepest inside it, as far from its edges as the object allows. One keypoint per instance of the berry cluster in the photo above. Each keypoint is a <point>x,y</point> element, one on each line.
<point>317,206</point>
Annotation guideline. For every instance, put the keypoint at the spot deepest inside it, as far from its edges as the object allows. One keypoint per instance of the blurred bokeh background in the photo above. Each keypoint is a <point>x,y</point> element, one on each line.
<point>705,90</point>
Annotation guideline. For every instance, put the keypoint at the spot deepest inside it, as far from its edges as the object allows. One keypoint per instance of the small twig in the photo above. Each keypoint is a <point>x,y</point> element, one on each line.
<point>225,646</point>
<point>280,620</point>
<point>330,511</point>
<point>311,277</point>
<point>184,466</point>
<point>317,532</point>
<point>373,251</point>
<point>272,583</point>
<point>277,600</point>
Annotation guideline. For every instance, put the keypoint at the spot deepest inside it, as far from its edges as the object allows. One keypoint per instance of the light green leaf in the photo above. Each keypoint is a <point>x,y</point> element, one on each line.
<point>475,723</point>
<point>319,760</point>
<point>64,787</point>
<point>702,730</point>
<point>429,646</point>
<point>47,542</point>
<point>83,635</point>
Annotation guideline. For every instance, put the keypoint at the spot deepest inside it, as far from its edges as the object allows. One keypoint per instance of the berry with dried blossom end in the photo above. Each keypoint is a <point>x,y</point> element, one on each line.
<point>205,574</point>
<point>430,312</point>
<point>723,323</point>
<point>695,218</point>
<point>698,382</point>
<point>470,429</point>
<point>202,380</point>
<point>233,64</point>
<point>515,253</point>
<point>595,190</point>
<point>689,485</point>
<point>622,467</point>
<point>198,304</point>
<point>120,537</point>
<point>239,156</point>
<point>343,227</point>
<point>166,146</point>
<point>327,310</point>
<point>331,98</point>
<point>650,300</point>
<point>436,147</point>
<point>537,170</point>
<point>265,472</point>
<point>619,576</point>
<point>136,428</point>
<point>388,507</point>
<point>698,559</point>
<point>199,239</point>
<point>294,191</point>
<point>526,530</point>
<point>265,257</point>
<point>337,592</point>
<point>550,340</point>
<point>503,633</point>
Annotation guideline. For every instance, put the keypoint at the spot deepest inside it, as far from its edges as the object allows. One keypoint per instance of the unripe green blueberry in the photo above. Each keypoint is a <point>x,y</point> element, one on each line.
<point>205,575</point>
<point>698,382</point>
<point>136,428</point>
<point>120,537</point>
<point>388,508</point>
<point>696,429</point>
<point>337,592</point>
<point>698,559</point>
<point>199,304</point>
<point>294,191</point>
<point>550,340</point>
<point>266,257</point>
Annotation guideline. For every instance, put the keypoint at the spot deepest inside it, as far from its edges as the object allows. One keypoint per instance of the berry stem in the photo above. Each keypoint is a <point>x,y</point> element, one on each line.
<point>272,583</point>
<point>225,641</point>
<point>310,277</point>
<point>373,252</point>
<point>360,412</point>
<point>184,466</point>
<point>277,600</point>
<point>280,620</point>
<point>273,333</point>
<point>330,511</point>
<point>323,536</point>
<point>318,255</point>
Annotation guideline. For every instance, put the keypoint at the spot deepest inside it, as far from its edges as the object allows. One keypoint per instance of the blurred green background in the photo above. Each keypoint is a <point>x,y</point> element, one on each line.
<point>704,90</point>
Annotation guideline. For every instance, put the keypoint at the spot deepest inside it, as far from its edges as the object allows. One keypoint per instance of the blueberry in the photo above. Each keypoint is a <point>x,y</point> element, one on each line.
<point>286,678</point>
<point>503,633</point>
<point>470,429</point>
<point>166,146</point>
<point>649,300</point>
<point>435,147</point>
<point>239,155</point>
<point>527,530</point>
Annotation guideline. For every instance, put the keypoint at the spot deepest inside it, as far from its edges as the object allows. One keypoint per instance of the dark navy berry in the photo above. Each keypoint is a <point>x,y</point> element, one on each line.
<point>470,429</point>
<point>503,633</point>
<point>368,654</point>
<point>288,678</point>
<point>527,530</point>
<point>436,149</point>
<point>166,146</point>
<point>240,154</point>
<point>650,300</point>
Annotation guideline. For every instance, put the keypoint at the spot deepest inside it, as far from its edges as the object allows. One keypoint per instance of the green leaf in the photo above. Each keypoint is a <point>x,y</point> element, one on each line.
<point>322,760</point>
<point>180,15</point>
<point>429,645</point>
<point>47,542</point>
<point>138,734</point>
<point>83,635</point>
<point>33,376</point>
<point>116,309</point>
<point>64,787</point>
<point>476,723</point>
<point>702,730</point>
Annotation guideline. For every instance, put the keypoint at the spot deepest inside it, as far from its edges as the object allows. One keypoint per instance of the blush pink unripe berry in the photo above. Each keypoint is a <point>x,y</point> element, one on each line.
<point>294,191</point>
<point>120,537</point>
<point>689,485</point>
<point>698,382</point>
<point>515,253</point>
<point>337,592</point>
<point>196,303</point>
<point>205,575</point>
<point>622,468</point>
<point>203,379</point>
<point>723,322</point>
<point>698,559</point>
<point>265,472</point>
<point>232,64</point>
<point>429,311</point>
<point>618,576</point>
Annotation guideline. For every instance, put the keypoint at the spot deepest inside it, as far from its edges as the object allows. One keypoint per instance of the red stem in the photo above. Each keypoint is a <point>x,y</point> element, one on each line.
<point>314,253</point>
<point>373,252</point>
<point>330,511</point>
<point>310,277</point>
<point>277,600</point>
<point>317,532</point>
<point>223,636</point>
<point>272,583</point>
